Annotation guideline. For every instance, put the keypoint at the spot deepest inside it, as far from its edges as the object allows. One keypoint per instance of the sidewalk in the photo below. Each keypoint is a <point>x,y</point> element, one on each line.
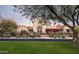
<point>36,38</point>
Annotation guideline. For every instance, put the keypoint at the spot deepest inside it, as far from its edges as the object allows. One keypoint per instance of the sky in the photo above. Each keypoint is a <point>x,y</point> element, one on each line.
<point>7,12</point>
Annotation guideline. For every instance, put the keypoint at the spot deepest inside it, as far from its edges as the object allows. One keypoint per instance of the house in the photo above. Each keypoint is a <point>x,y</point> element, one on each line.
<point>38,26</point>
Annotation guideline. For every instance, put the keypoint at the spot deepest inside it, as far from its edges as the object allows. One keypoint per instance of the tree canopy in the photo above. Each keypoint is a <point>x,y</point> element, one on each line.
<point>34,11</point>
<point>62,13</point>
<point>8,25</point>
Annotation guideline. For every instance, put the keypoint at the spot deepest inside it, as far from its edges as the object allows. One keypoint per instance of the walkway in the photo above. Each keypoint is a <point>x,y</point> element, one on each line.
<point>35,39</point>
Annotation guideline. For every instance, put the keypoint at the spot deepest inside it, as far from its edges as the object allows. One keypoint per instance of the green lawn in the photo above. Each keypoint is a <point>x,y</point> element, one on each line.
<point>34,47</point>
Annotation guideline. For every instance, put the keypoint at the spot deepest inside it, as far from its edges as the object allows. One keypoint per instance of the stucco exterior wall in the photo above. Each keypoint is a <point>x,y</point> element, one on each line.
<point>21,28</point>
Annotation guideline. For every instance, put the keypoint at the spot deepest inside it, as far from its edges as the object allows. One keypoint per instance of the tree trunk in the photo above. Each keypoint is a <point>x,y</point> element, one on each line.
<point>75,36</point>
<point>78,37</point>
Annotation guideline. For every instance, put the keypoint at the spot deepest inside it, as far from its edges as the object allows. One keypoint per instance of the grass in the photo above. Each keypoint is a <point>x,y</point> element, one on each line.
<point>38,47</point>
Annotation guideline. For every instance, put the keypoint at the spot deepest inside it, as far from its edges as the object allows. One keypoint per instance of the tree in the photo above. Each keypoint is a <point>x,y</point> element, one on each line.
<point>67,14</point>
<point>34,11</point>
<point>8,25</point>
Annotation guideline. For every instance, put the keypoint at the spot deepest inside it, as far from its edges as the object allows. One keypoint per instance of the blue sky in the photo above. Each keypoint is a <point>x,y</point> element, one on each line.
<point>7,12</point>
